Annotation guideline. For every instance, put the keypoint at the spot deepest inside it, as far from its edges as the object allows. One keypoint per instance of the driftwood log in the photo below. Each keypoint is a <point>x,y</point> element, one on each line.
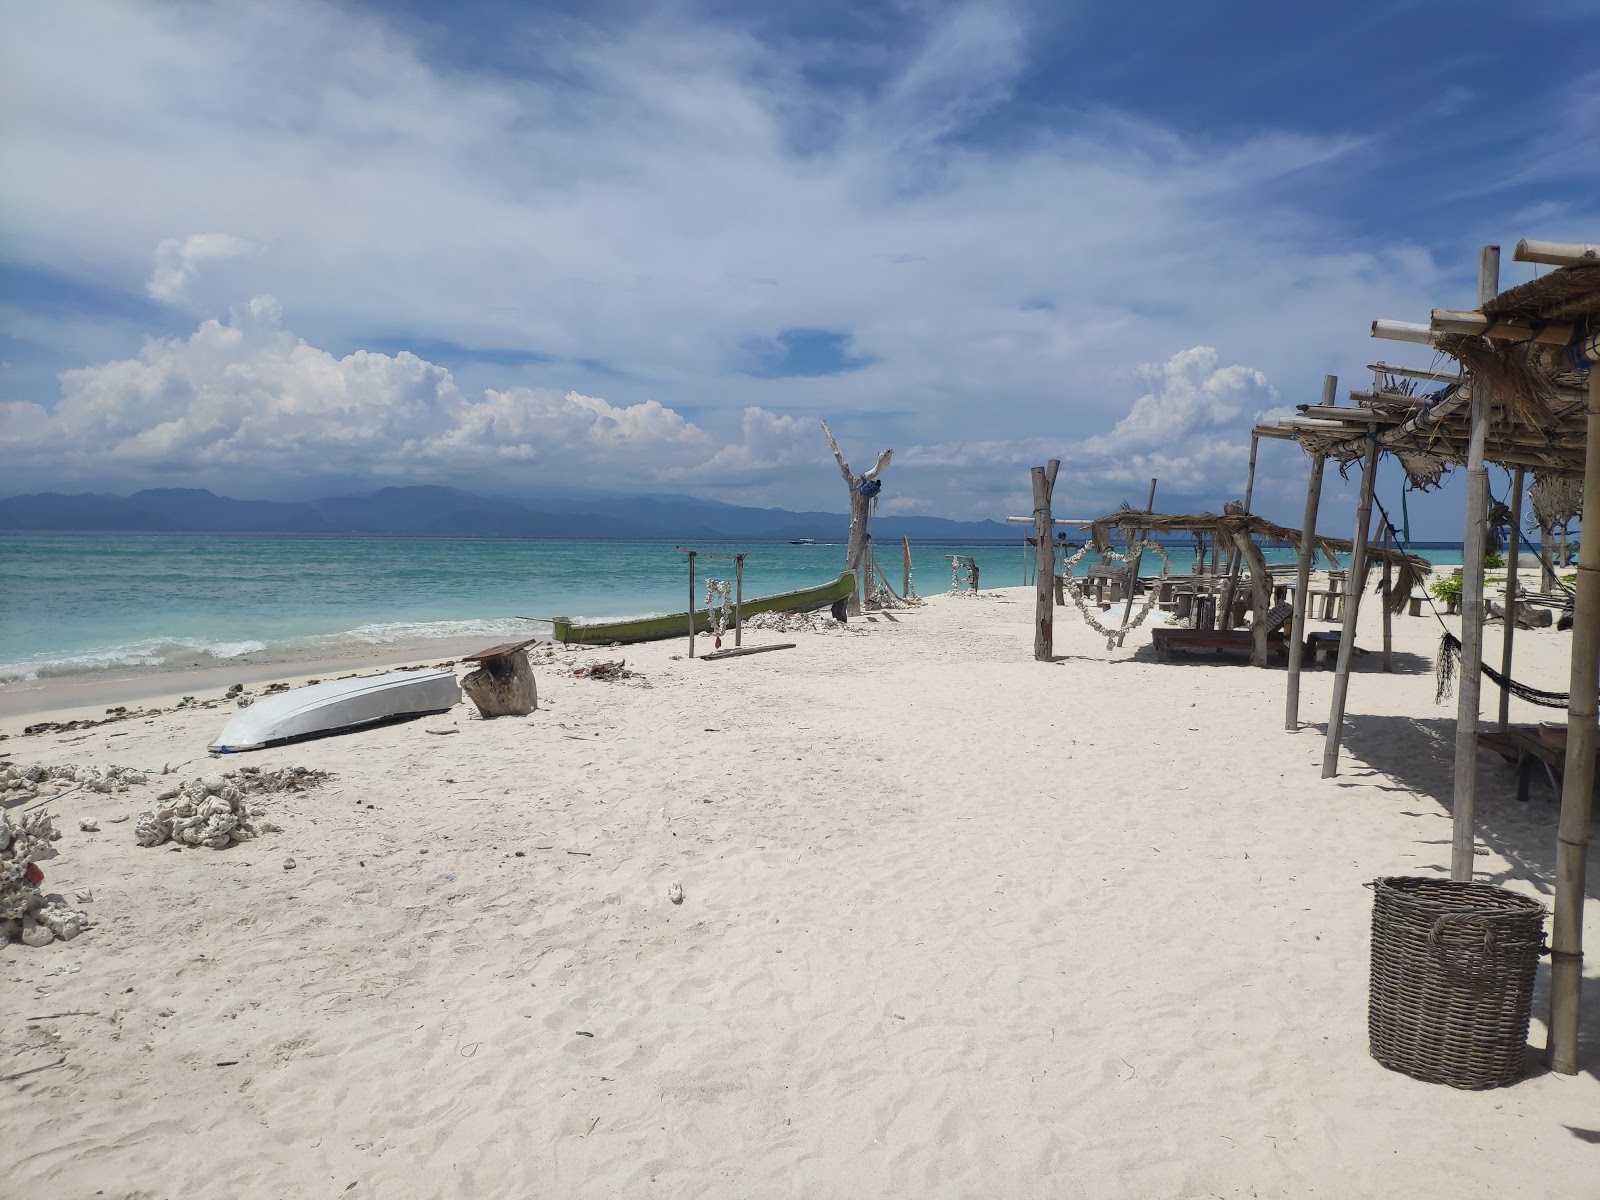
<point>858,551</point>
<point>503,684</point>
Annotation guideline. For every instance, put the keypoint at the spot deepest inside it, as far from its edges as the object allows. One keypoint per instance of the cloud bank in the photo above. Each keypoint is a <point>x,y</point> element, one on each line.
<point>244,403</point>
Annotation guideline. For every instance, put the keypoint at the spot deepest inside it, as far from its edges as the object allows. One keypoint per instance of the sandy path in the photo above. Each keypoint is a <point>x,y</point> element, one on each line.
<point>956,924</point>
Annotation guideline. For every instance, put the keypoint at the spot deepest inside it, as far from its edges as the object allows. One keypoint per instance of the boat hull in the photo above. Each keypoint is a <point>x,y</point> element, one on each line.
<point>650,629</point>
<point>337,706</point>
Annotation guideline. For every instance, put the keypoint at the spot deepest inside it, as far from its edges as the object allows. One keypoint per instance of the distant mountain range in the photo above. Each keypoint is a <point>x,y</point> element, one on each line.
<point>449,512</point>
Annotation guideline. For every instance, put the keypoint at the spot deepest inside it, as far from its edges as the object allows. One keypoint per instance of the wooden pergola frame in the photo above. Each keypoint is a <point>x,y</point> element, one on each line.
<point>1527,397</point>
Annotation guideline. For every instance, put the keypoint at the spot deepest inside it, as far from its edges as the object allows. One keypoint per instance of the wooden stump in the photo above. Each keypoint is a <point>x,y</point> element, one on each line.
<point>503,685</point>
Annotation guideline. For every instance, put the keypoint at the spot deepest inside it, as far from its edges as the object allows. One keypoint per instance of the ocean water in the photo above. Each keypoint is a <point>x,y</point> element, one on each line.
<point>73,605</point>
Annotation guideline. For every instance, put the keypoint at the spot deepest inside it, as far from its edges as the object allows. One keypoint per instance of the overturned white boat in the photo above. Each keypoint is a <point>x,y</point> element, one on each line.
<point>336,706</point>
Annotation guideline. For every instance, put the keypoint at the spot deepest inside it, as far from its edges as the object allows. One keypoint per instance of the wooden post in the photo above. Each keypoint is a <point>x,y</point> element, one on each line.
<point>1577,787</point>
<point>738,599</point>
<point>905,547</point>
<point>1352,607</point>
<point>1234,558</point>
<point>1547,581</point>
<point>860,511</point>
<point>1133,568</point>
<point>1302,578</point>
<point>691,604</point>
<point>1388,611</point>
<point>1510,630</point>
<point>1260,596</point>
<point>1469,685</point>
<point>1044,570</point>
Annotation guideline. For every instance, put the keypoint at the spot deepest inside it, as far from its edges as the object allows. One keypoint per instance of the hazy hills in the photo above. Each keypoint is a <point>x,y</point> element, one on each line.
<point>426,511</point>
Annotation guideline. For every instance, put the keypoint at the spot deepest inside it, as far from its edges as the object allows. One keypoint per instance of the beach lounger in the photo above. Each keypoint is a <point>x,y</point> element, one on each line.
<point>1167,638</point>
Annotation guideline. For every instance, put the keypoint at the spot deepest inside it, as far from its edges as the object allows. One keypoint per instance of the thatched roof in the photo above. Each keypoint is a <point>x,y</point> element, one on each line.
<point>1536,400</point>
<point>1409,570</point>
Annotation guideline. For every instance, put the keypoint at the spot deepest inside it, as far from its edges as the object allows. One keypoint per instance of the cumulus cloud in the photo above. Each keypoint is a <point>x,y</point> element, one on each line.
<point>245,401</point>
<point>245,404</point>
<point>178,261</point>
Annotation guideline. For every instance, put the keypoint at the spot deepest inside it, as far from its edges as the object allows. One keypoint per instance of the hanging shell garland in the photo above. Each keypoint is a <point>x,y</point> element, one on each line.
<point>1080,598</point>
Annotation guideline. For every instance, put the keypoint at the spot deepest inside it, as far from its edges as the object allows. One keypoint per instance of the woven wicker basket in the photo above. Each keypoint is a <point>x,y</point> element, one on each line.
<point>1452,979</point>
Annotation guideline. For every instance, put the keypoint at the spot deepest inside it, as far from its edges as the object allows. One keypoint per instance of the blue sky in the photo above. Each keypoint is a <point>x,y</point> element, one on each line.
<point>279,249</point>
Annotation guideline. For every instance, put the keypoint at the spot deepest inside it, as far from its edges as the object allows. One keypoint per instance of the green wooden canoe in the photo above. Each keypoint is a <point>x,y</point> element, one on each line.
<point>649,629</point>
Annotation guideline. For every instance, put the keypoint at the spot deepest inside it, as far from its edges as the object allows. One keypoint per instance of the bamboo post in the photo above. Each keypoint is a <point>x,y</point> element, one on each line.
<point>1352,607</point>
<point>1577,788</point>
<point>1388,611</point>
<point>691,604</point>
<point>1469,686</point>
<point>1133,568</point>
<point>905,547</point>
<point>1511,596</point>
<point>1234,559</point>
<point>738,599</point>
<point>1547,582</point>
<point>1302,578</point>
<point>1044,569</point>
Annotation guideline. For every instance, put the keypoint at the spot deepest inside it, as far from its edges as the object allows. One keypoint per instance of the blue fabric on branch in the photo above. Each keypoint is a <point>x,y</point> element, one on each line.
<point>870,487</point>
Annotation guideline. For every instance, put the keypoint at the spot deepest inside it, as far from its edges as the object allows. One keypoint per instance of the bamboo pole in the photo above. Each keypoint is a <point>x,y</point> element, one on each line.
<point>1388,612</point>
<point>1546,558</point>
<point>1044,569</point>
<point>1403,331</point>
<point>691,604</point>
<point>1352,608</point>
<point>1469,686</point>
<point>738,599</point>
<point>1557,254</point>
<point>905,549</point>
<point>1234,554</point>
<point>1572,838</point>
<point>1133,567</point>
<point>1302,579</point>
<point>1511,596</point>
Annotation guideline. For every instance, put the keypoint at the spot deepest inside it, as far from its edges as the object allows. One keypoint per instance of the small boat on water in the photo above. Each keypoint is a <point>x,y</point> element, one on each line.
<point>802,541</point>
<point>337,706</point>
<point>649,629</point>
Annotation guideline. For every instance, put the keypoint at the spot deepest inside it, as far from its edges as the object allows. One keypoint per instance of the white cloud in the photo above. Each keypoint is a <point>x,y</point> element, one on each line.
<point>178,261</point>
<point>245,403</point>
<point>639,207</point>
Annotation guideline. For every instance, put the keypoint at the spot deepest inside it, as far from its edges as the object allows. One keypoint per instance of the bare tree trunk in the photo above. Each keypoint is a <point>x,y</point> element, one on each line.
<point>860,510</point>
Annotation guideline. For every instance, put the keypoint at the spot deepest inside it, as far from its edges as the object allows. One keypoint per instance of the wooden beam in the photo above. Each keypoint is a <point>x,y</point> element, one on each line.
<point>1302,579</point>
<point>1416,372</point>
<point>1044,482</point>
<point>1557,254</point>
<point>1515,553</point>
<point>1404,331</point>
<point>1469,685</point>
<point>1577,786</point>
<point>1350,412</point>
<point>1283,432</point>
<point>1352,607</point>
<point>1455,320</point>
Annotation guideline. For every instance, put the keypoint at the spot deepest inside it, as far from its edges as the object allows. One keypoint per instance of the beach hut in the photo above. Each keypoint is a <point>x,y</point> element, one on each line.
<point>1244,533</point>
<point>1523,393</point>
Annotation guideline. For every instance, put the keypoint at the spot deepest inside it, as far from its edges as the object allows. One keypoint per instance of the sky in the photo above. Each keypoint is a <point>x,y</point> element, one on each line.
<point>294,249</point>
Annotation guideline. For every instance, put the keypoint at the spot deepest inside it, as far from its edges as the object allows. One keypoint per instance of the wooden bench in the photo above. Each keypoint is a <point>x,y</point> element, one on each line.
<point>1167,638</point>
<point>1523,746</point>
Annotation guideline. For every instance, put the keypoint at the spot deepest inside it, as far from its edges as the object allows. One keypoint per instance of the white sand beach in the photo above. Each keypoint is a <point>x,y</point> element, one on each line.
<point>954,923</point>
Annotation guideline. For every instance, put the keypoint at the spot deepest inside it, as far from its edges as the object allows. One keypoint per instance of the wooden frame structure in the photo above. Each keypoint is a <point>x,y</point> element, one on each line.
<point>1527,397</point>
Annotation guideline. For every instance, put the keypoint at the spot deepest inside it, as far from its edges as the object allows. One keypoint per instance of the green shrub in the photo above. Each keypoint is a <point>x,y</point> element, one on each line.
<point>1494,560</point>
<point>1446,589</point>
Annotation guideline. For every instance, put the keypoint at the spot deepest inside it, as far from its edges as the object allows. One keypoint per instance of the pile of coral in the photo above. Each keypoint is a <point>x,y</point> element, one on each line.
<point>27,914</point>
<point>211,811</point>
<point>17,781</point>
<point>801,623</point>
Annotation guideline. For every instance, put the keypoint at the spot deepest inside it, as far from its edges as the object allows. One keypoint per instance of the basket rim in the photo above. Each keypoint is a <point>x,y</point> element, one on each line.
<point>1509,904</point>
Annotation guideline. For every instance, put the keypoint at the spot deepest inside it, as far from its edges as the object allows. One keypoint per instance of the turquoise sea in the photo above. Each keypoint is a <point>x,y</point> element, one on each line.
<point>76,604</point>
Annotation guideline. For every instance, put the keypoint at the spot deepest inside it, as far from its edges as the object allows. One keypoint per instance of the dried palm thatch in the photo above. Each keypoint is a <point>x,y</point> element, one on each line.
<point>1408,571</point>
<point>1517,375</point>
<point>1556,498</point>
